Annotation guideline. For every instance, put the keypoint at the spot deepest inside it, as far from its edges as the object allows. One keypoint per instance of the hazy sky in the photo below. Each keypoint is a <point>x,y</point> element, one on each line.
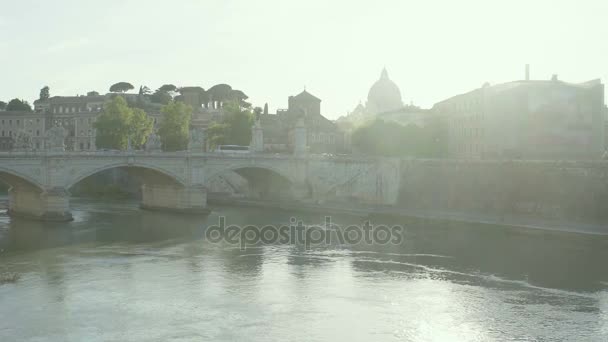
<point>271,49</point>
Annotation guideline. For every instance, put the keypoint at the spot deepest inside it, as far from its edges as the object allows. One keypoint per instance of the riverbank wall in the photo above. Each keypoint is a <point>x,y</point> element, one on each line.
<point>558,195</point>
<point>545,190</point>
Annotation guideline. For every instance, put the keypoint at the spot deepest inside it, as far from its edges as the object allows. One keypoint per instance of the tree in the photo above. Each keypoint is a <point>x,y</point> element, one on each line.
<point>174,128</point>
<point>141,127</point>
<point>2,105</point>
<point>18,105</point>
<point>266,109</point>
<point>93,93</point>
<point>390,139</point>
<point>235,128</point>
<point>168,88</point>
<point>118,123</point>
<point>121,87</point>
<point>195,96</point>
<point>161,97</point>
<point>216,133</point>
<point>45,93</point>
<point>144,90</point>
<point>219,93</point>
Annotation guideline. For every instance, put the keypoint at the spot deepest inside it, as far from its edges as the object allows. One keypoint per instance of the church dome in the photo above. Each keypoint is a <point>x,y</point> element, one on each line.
<point>384,95</point>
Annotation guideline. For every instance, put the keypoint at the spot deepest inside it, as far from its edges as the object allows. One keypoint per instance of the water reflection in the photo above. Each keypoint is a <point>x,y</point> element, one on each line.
<point>118,273</point>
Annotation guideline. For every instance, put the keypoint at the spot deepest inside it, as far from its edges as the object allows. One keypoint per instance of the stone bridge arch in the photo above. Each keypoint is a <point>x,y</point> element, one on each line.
<point>14,178</point>
<point>264,180</point>
<point>27,197</point>
<point>146,171</point>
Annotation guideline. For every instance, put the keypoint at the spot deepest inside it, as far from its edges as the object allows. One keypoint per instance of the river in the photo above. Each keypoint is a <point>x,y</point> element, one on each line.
<point>117,273</point>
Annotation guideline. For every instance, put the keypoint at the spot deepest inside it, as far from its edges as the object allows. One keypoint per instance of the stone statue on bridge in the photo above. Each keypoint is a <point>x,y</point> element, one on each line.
<point>153,143</point>
<point>55,139</point>
<point>196,142</point>
<point>257,137</point>
<point>23,141</point>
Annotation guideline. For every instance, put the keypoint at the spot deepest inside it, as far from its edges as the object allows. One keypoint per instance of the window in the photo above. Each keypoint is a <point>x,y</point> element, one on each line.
<point>37,132</point>
<point>17,121</point>
<point>81,146</point>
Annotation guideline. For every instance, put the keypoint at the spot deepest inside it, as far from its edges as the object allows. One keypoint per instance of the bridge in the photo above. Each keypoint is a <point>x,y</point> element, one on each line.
<point>40,182</point>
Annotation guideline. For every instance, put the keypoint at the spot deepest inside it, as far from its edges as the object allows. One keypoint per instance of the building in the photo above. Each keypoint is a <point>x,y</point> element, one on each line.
<point>74,113</point>
<point>322,134</point>
<point>528,119</point>
<point>12,123</point>
<point>383,96</point>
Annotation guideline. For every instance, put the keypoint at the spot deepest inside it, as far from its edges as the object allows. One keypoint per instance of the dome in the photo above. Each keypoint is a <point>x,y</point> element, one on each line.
<point>384,95</point>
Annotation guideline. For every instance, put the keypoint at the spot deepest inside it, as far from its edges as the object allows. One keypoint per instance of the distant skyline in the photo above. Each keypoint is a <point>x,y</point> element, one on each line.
<point>274,48</point>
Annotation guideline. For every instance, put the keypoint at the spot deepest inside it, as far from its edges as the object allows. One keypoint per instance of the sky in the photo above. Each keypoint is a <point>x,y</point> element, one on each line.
<point>271,49</point>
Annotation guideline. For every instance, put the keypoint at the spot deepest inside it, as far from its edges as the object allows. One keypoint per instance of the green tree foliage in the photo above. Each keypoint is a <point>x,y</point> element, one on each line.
<point>174,129</point>
<point>239,97</point>
<point>93,93</point>
<point>235,128</point>
<point>121,87</point>
<point>118,123</point>
<point>164,94</point>
<point>2,105</point>
<point>196,94</point>
<point>389,139</point>
<point>239,123</point>
<point>216,134</point>
<point>220,92</point>
<point>144,90</point>
<point>266,108</point>
<point>45,93</point>
<point>18,105</point>
<point>168,88</point>
<point>161,97</point>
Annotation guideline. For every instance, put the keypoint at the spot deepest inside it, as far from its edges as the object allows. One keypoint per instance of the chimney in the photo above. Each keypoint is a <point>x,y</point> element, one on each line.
<point>527,72</point>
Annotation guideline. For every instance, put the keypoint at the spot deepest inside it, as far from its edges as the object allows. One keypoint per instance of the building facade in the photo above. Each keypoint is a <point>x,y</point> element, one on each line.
<point>529,119</point>
<point>13,123</point>
<point>304,109</point>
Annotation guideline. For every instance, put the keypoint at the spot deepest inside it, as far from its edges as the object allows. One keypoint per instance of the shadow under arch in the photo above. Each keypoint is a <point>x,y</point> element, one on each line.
<point>145,174</point>
<point>262,182</point>
<point>157,188</point>
<point>13,179</point>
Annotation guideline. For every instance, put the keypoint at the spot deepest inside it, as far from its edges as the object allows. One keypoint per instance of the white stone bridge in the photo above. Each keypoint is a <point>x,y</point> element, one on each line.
<point>40,182</point>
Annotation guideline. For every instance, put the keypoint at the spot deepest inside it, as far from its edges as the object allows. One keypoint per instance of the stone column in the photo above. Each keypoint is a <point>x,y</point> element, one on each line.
<point>176,198</point>
<point>49,205</point>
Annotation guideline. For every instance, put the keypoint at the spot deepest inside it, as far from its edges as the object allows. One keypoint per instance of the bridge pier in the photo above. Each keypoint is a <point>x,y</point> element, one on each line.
<point>175,198</point>
<point>49,205</point>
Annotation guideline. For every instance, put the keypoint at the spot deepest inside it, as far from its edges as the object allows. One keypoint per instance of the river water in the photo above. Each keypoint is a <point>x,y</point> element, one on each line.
<point>120,274</point>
